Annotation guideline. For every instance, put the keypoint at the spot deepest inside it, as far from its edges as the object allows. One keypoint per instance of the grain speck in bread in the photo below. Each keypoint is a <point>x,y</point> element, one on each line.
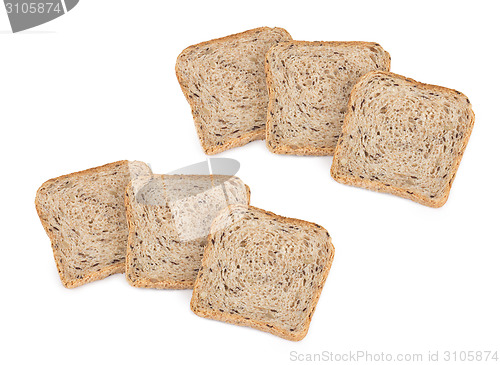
<point>403,137</point>
<point>225,84</point>
<point>84,216</point>
<point>263,271</point>
<point>309,85</point>
<point>169,219</point>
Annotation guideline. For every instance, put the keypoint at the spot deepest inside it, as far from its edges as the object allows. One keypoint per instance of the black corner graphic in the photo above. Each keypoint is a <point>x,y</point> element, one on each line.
<point>26,14</point>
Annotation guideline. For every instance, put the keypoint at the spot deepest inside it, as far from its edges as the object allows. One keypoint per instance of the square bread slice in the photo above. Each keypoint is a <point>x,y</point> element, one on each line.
<point>224,82</point>
<point>403,137</point>
<point>169,218</point>
<point>84,216</point>
<point>309,85</point>
<point>263,271</point>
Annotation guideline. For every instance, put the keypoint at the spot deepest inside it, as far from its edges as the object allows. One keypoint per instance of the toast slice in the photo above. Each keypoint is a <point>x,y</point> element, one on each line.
<point>169,218</point>
<point>309,85</point>
<point>225,84</point>
<point>403,137</point>
<point>84,216</point>
<point>263,271</point>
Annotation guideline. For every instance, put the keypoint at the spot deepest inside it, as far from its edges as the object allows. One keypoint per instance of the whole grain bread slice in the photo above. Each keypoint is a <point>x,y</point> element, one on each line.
<point>224,82</point>
<point>169,218</point>
<point>263,271</point>
<point>309,85</point>
<point>403,137</point>
<point>83,214</point>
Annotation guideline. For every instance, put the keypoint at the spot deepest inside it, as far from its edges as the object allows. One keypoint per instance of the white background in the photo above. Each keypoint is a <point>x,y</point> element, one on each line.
<point>98,85</point>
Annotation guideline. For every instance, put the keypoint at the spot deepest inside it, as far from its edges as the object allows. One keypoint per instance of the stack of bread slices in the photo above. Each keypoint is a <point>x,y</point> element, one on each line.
<point>386,132</point>
<point>247,266</point>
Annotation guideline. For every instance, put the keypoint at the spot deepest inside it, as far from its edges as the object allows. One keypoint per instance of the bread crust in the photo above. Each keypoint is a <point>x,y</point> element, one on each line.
<point>92,276</point>
<point>235,142</point>
<point>303,151</point>
<point>378,186</point>
<point>146,282</point>
<point>261,325</point>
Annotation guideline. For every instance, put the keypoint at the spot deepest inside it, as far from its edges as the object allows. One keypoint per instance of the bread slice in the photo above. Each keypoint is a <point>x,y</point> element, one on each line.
<point>225,84</point>
<point>403,137</point>
<point>263,271</point>
<point>169,219</point>
<point>84,216</point>
<point>309,85</point>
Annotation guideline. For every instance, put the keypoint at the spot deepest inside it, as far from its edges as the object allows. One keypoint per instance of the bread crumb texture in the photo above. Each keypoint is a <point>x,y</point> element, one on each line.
<point>403,137</point>
<point>309,85</point>
<point>263,270</point>
<point>84,216</point>
<point>169,218</point>
<point>225,84</point>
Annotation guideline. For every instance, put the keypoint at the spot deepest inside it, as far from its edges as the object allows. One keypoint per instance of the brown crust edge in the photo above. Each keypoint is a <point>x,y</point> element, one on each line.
<point>303,151</point>
<point>246,138</point>
<point>145,282</point>
<point>380,187</point>
<point>260,325</point>
<point>93,276</point>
